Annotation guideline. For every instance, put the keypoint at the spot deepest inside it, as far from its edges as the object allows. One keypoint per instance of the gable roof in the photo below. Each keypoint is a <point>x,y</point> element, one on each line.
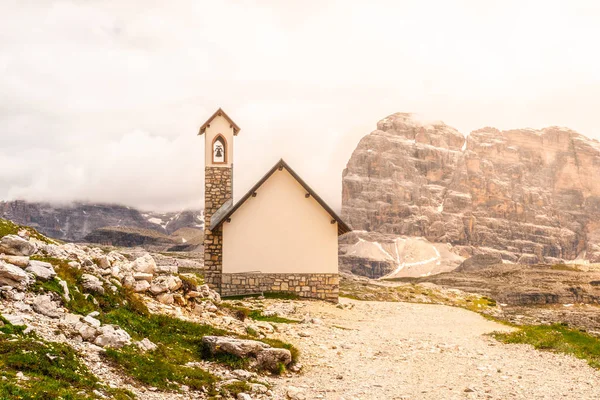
<point>217,113</point>
<point>227,209</point>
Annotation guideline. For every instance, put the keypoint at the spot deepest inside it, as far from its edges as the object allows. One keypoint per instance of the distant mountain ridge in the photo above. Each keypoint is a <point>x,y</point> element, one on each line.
<point>77,221</point>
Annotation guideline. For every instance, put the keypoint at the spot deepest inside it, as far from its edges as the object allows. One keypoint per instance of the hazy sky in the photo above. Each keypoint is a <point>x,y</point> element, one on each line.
<point>102,100</point>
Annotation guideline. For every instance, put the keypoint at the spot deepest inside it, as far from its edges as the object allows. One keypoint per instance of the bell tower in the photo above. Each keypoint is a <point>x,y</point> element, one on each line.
<point>219,131</point>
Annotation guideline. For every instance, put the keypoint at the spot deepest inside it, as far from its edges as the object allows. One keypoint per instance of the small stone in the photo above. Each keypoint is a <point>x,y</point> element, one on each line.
<point>270,359</point>
<point>294,393</point>
<point>92,321</point>
<point>146,345</point>
<point>165,298</point>
<point>141,286</point>
<point>243,374</point>
<point>142,276</point>
<point>45,306</point>
<point>144,264</point>
<point>112,336</point>
<point>92,283</point>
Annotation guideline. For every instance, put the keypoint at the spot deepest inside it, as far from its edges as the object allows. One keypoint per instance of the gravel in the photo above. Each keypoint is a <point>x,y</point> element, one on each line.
<point>378,350</point>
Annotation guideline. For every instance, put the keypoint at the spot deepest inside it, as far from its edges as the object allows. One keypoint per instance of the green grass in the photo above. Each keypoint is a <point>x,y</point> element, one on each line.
<point>53,370</point>
<point>10,228</point>
<point>564,267</point>
<point>242,313</point>
<point>156,369</point>
<point>190,281</point>
<point>556,338</point>
<point>233,389</point>
<point>257,315</point>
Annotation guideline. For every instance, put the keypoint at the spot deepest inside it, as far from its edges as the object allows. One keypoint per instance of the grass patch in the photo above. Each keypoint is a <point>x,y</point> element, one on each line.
<point>556,338</point>
<point>233,389</point>
<point>564,267</point>
<point>51,370</point>
<point>10,228</point>
<point>155,369</point>
<point>251,331</point>
<point>257,315</point>
<point>190,281</point>
<point>81,302</point>
<point>242,313</point>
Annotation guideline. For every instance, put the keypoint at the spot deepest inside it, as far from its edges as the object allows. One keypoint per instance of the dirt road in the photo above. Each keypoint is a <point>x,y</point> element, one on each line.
<point>386,351</point>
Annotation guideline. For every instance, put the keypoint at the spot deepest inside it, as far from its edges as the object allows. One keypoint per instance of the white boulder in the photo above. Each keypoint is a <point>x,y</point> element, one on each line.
<point>42,270</point>
<point>14,245</point>
<point>13,276</point>
<point>144,264</point>
<point>92,283</point>
<point>112,336</point>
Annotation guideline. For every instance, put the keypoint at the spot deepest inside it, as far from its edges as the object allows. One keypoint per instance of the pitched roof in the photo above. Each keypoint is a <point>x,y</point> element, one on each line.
<point>217,113</point>
<point>227,210</point>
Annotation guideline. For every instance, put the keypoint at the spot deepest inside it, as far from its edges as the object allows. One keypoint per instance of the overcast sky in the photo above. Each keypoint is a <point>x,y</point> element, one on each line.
<point>102,100</point>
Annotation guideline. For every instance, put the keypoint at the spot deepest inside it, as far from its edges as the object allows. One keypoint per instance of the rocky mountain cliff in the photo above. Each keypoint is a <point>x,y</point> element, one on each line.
<point>531,196</point>
<point>77,221</point>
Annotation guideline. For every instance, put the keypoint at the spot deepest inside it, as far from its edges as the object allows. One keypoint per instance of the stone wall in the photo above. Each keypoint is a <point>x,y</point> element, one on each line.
<point>315,286</point>
<point>217,190</point>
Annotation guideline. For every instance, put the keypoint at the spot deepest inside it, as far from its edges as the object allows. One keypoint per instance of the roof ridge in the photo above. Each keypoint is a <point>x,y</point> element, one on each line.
<point>342,226</point>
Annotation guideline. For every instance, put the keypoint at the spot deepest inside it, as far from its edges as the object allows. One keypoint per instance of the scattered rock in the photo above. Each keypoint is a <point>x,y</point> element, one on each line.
<point>166,270</point>
<point>142,276</point>
<point>14,319</point>
<point>244,396</point>
<point>65,287</point>
<point>259,388</point>
<point>42,270</point>
<point>86,331</point>
<point>102,262</point>
<point>269,359</point>
<point>238,347</point>
<point>14,245</point>
<point>243,374</point>
<point>165,298</point>
<point>19,261</point>
<point>145,264</point>
<point>112,336</point>
<point>294,393</point>
<point>146,345</point>
<point>45,306</point>
<point>92,283</point>
<point>141,286</point>
<point>92,321</point>
<point>13,276</point>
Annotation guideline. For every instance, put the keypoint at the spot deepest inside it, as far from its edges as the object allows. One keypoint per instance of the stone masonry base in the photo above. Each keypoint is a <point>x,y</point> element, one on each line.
<point>316,286</point>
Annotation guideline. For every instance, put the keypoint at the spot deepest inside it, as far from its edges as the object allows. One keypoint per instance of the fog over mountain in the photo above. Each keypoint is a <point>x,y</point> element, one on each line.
<point>101,100</point>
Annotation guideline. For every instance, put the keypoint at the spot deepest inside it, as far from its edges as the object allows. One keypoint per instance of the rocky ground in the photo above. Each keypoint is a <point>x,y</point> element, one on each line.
<point>383,350</point>
<point>201,347</point>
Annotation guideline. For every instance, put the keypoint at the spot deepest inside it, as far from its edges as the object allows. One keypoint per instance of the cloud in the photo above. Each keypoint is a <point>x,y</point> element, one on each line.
<point>101,100</point>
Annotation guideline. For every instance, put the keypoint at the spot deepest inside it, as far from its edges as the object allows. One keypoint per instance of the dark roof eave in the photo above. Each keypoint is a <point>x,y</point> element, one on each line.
<point>342,226</point>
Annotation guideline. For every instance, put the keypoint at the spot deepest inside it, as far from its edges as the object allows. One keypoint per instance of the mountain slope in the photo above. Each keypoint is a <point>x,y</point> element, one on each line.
<point>76,221</point>
<point>530,195</point>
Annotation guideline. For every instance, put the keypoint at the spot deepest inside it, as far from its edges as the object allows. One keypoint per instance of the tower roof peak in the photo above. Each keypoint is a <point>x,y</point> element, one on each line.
<point>218,113</point>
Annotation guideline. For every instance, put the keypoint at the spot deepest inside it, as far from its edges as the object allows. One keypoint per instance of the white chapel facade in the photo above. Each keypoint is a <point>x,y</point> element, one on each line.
<point>279,237</point>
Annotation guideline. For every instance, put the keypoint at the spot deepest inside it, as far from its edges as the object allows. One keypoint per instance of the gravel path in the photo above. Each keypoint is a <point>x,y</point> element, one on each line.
<point>378,350</point>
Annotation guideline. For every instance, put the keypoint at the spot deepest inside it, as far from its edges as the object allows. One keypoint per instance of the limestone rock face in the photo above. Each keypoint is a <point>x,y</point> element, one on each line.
<point>528,195</point>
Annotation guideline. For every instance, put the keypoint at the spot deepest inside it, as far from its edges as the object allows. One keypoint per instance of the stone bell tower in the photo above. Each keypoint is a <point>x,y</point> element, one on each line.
<point>219,131</point>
